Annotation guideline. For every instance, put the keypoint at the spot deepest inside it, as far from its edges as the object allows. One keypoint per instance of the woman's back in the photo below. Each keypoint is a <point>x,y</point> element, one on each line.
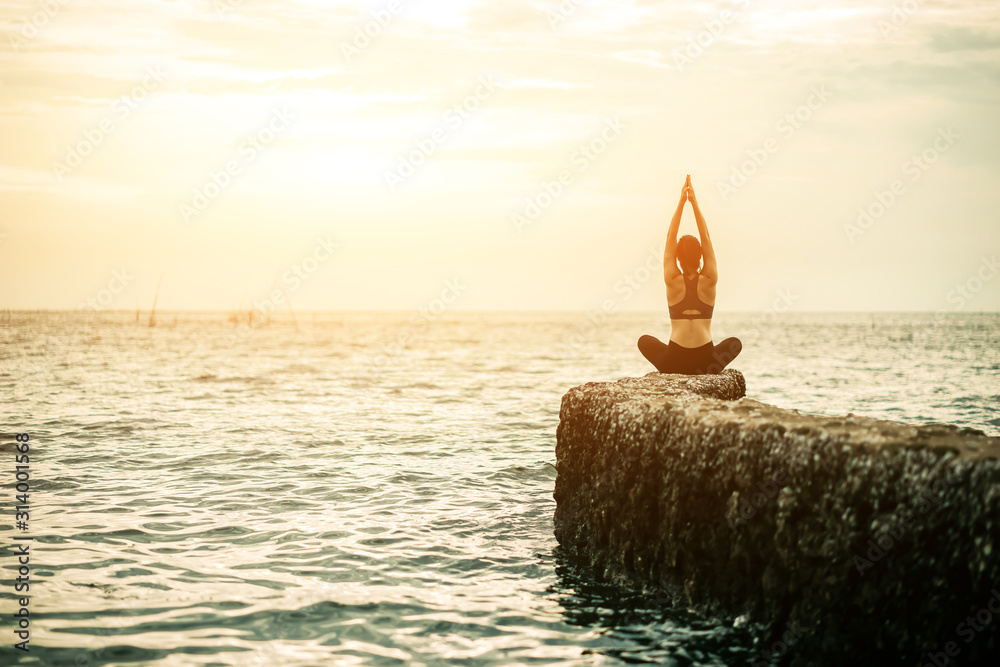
<point>691,299</point>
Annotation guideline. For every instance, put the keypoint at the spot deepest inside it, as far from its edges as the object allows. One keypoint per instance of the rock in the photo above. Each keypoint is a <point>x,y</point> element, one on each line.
<point>845,540</point>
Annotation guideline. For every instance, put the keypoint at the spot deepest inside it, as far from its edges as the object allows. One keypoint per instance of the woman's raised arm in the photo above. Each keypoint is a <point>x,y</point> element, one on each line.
<point>670,269</point>
<point>710,269</point>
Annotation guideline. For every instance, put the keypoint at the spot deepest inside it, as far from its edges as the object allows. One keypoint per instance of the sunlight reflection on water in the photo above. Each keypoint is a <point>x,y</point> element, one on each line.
<point>311,494</point>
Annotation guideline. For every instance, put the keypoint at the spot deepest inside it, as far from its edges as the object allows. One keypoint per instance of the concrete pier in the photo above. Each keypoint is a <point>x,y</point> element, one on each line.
<point>844,540</point>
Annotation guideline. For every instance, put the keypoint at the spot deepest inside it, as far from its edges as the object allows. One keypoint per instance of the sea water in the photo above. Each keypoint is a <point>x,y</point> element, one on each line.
<point>376,489</point>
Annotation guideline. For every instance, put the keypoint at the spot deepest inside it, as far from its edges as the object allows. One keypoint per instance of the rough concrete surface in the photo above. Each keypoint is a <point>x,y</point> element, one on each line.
<point>875,542</point>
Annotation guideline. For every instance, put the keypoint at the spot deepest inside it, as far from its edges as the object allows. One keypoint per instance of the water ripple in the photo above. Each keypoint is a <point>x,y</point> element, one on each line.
<point>285,498</point>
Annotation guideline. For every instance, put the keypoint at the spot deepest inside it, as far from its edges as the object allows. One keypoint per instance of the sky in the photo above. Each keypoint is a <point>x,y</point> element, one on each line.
<point>500,154</point>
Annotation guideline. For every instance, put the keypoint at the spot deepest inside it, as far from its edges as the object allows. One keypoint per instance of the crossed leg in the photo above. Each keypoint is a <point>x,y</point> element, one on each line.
<point>673,358</point>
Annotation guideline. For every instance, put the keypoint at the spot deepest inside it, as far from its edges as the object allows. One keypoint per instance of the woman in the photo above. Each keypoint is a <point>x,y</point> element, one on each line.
<point>691,298</point>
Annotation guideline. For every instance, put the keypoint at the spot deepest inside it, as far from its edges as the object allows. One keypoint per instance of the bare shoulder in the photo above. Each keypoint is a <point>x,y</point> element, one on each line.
<point>675,289</point>
<point>706,288</point>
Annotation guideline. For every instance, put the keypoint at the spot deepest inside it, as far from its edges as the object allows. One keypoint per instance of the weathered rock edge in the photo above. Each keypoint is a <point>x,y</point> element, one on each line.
<point>877,539</point>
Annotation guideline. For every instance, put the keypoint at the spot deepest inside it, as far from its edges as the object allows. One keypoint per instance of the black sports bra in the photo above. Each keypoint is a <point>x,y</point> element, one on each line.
<point>691,302</point>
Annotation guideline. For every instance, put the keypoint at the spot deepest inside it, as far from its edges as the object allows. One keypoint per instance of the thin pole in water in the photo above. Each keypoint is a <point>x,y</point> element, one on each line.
<point>156,297</point>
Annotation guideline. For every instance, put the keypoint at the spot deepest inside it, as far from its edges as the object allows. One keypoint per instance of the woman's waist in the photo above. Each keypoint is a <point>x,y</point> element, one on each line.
<point>691,333</point>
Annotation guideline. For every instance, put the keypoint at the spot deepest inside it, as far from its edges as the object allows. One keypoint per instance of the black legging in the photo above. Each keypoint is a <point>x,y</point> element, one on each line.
<point>708,359</point>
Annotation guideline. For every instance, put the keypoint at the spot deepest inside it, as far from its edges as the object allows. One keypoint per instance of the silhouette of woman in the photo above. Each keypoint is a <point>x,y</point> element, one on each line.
<point>691,298</point>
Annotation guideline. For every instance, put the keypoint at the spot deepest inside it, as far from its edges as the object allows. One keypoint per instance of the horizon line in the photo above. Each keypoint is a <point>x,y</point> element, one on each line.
<point>490,310</point>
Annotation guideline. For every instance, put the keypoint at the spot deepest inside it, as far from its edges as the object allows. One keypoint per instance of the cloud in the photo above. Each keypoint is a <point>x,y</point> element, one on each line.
<point>355,118</point>
<point>509,16</point>
<point>24,180</point>
<point>642,57</point>
<point>546,83</point>
<point>960,38</point>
